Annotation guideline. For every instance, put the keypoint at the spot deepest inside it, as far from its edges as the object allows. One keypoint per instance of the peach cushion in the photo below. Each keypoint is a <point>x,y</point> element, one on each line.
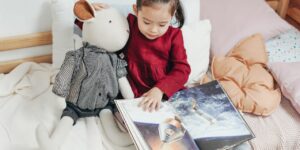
<point>244,77</point>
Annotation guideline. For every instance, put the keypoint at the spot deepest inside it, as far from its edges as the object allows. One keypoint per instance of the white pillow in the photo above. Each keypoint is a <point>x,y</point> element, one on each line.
<point>63,23</point>
<point>62,29</point>
<point>196,37</point>
<point>191,10</point>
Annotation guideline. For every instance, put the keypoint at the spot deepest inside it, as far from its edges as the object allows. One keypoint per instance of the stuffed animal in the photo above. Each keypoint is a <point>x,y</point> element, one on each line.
<point>91,77</point>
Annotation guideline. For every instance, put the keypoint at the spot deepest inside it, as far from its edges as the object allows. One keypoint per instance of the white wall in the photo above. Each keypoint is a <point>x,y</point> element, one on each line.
<point>19,17</point>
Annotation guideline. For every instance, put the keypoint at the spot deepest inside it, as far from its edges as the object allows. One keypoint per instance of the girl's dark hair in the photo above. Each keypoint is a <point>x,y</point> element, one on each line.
<point>175,7</point>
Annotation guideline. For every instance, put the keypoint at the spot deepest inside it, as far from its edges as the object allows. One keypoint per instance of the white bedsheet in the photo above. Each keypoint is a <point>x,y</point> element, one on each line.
<point>26,99</point>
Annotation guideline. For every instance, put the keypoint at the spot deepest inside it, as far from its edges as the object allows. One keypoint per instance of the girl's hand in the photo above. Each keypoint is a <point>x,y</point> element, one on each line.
<point>151,100</point>
<point>100,6</point>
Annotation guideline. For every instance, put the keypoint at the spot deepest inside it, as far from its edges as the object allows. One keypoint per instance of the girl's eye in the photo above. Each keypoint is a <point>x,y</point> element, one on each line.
<point>162,25</point>
<point>146,22</point>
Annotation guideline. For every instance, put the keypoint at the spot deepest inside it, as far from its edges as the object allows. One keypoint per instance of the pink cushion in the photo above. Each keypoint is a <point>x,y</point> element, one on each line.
<point>234,20</point>
<point>288,77</point>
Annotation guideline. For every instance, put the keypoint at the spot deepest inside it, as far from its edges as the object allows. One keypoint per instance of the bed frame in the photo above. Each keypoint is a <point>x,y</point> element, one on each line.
<point>24,41</point>
<point>45,38</point>
<point>280,6</point>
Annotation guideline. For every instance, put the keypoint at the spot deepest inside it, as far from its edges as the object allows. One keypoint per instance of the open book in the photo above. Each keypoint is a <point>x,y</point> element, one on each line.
<point>202,117</point>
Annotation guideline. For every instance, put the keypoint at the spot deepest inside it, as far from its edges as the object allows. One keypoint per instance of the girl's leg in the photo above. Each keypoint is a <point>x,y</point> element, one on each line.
<point>58,136</point>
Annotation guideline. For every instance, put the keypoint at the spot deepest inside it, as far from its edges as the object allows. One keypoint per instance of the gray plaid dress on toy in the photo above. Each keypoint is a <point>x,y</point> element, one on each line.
<point>88,79</point>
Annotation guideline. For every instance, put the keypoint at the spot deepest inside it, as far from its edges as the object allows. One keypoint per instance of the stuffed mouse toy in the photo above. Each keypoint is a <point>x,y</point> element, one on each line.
<point>91,77</point>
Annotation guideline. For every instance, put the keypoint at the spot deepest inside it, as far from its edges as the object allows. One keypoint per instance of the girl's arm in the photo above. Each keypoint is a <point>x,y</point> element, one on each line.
<point>180,71</point>
<point>174,81</point>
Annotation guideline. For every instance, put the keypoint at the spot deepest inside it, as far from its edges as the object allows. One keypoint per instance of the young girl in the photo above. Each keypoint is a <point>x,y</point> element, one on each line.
<point>157,61</point>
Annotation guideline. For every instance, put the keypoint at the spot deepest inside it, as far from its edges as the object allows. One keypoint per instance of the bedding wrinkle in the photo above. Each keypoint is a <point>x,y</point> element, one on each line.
<point>279,131</point>
<point>28,79</point>
<point>4,134</point>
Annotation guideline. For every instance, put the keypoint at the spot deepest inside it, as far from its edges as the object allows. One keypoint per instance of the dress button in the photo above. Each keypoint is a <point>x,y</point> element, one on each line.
<point>99,94</point>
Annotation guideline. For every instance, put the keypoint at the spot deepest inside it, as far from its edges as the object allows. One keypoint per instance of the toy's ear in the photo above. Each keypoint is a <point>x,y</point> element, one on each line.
<point>84,11</point>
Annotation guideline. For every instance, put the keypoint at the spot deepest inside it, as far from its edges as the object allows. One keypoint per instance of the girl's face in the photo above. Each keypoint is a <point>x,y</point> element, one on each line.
<point>153,21</point>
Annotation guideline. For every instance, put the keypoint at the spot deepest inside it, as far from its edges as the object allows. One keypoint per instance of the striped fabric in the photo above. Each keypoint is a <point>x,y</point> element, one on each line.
<point>279,131</point>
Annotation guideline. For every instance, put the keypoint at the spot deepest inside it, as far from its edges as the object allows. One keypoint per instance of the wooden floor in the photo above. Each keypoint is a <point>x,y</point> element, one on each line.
<point>293,14</point>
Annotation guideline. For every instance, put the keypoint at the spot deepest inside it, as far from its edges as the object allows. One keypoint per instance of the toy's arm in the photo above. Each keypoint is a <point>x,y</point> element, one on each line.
<point>125,88</point>
<point>63,79</point>
<point>124,85</point>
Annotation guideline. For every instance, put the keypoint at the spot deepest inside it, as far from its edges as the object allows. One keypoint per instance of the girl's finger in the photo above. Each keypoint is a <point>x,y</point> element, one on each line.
<point>104,5</point>
<point>97,8</point>
<point>147,106</point>
<point>143,102</point>
<point>153,106</point>
<point>100,6</point>
<point>157,106</point>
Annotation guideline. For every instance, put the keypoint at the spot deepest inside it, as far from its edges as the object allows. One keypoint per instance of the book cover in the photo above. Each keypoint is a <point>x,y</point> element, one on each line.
<point>201,117</point>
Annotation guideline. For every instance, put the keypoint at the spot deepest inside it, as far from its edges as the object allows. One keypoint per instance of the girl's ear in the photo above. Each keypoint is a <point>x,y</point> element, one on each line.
<point>84,11</point>
<point>134,8</point>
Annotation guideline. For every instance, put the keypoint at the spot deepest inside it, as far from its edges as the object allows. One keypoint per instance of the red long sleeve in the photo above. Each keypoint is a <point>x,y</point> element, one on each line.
<point>161,62</point>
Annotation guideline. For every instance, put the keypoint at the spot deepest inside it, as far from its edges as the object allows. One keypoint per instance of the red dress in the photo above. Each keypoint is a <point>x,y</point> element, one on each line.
<point>161,62</point>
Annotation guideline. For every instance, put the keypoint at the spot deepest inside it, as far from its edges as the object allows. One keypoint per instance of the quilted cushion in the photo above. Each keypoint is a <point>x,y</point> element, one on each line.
<point>244,77</point>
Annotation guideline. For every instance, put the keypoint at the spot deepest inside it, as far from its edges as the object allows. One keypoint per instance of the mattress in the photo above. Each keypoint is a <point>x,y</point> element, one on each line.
<point>280,130</point>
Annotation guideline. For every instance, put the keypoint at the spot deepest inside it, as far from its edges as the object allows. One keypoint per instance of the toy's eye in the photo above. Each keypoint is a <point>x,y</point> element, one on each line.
<point>109,21</point>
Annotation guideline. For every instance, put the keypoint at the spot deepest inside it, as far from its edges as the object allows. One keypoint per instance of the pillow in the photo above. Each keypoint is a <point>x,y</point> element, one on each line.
<point>196,37</point>
<point>67,37</point>
<point>62,30</point>
<point>284,47</point>
<point>288,77</point>
<point>245,79</point>
<point>234,20</point>
<point>191,10</point>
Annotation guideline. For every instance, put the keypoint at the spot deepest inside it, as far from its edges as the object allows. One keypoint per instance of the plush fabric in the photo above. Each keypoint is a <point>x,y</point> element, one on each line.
<point>234,20</point>
<point>288,77</point>
<point>196,37</point>
<point>26,100</point>
<point>285,47</point>
<point>244,77</point>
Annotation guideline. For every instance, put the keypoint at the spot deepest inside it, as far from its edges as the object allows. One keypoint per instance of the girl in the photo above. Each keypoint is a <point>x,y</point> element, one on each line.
<point>157,61</point>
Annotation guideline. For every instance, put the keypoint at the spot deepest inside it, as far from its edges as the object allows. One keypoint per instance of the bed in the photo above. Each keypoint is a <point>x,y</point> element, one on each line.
<point>26,98</point>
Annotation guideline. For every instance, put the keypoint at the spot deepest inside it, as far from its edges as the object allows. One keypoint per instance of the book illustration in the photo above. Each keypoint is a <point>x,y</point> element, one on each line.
<point>202,117</point>
<point>171,130</point>
<point>210,117</point>
<point>160,129</point>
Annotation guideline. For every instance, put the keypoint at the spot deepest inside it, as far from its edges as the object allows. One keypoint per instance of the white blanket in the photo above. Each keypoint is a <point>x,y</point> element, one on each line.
<point>26,100</point>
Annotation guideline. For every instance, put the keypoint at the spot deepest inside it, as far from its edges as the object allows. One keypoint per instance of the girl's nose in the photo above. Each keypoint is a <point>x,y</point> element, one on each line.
<point>154,29</point>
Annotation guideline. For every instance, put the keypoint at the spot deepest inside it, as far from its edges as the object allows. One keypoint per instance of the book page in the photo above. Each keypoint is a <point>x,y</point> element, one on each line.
<point>151,130</point>
<point>139,115</point>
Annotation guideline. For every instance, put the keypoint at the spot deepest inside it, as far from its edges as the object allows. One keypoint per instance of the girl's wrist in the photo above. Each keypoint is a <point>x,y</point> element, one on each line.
<point>158,89</point>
